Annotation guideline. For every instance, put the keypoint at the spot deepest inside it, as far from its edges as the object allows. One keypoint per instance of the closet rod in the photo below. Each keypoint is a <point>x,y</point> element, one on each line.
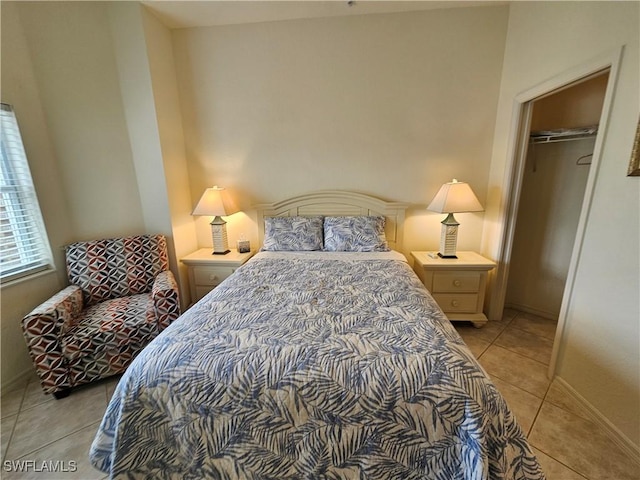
<point>562,135</point>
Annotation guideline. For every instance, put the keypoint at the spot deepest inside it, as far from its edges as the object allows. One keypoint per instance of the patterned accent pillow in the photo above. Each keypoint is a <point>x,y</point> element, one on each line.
<point>355,234</point>
<point>292,234</point>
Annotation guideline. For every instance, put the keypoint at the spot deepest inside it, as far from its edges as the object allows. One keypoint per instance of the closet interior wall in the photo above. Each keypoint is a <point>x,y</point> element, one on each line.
<point>551,199</point>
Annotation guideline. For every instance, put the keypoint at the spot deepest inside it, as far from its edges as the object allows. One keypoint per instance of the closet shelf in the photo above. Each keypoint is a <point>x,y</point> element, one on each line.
<point>562,134</point>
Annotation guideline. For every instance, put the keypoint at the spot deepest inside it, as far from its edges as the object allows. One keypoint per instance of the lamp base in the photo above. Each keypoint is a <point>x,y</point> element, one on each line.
<point>448,237</point>
<point>219,236</point>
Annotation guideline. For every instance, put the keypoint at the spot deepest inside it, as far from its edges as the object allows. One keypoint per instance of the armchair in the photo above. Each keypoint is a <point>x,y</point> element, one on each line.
<point>121,295</point>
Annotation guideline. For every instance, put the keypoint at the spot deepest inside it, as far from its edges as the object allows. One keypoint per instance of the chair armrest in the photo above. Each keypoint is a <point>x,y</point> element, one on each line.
<point>166,299</point>
<point>42,329</point>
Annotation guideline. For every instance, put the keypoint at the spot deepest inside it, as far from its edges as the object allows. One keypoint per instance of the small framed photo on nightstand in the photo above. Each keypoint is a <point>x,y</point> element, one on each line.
<point>244,246</point>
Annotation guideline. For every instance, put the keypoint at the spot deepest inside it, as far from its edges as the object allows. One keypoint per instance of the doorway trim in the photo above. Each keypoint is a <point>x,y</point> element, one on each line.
<point>516,157</point>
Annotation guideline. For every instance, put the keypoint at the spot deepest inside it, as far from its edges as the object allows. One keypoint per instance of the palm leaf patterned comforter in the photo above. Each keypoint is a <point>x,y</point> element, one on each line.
<point>308,368</point>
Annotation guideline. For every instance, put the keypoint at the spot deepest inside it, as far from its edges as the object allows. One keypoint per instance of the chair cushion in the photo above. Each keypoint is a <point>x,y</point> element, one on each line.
<point>118,323</point>
<point>116,267</point>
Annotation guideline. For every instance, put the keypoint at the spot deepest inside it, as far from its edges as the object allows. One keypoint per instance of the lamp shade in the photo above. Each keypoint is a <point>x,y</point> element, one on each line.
<point>214,203</point>
<point>454,197</point>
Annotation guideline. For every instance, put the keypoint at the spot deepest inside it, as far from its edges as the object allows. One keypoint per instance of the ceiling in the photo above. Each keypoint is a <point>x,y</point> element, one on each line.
<point>186,13</point>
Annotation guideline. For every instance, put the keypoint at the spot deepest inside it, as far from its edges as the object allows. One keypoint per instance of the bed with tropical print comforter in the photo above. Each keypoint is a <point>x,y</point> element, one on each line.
<point>311,366</point>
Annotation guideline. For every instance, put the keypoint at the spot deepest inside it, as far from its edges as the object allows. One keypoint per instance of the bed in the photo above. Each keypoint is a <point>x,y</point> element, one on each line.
<point>313,364</point>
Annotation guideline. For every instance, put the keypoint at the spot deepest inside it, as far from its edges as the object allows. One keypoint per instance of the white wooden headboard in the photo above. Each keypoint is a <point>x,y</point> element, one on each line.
<point>338,203</point>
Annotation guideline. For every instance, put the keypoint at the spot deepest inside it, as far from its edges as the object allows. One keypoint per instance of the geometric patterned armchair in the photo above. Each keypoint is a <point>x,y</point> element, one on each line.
<point>121,295</point>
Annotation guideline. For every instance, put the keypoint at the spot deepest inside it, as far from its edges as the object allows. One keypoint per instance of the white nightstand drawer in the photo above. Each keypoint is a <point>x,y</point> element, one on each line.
<point>202,291</point>
<point>457,303</point>
<point>211,275</point>
<point>456,282</point>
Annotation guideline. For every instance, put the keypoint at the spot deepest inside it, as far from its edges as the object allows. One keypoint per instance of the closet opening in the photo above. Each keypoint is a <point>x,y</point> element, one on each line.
<point>559,136</point>
<point>562,136</point>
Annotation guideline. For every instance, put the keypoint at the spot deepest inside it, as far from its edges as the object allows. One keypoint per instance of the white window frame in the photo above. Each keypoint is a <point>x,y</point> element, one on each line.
<point>24,245</point>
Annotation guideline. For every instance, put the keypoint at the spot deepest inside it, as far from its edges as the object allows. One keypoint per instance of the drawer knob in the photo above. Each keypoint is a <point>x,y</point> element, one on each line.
<point>457,283</point>
<point>213,277</point>
<point>455,303</point>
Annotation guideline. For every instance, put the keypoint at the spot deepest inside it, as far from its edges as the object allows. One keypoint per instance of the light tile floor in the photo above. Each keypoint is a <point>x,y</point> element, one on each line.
<point>515,352</point>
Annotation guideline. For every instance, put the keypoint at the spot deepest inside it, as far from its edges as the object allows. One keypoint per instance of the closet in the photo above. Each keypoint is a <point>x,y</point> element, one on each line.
<point>564,126</point>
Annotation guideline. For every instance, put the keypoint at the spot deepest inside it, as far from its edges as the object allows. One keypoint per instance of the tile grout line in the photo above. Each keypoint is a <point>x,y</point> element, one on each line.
<point>531,333</point>
<point>15,423</point>
<point>510,383</point>
<point>535,419</point>
<point>521,355</point>
<point>521,330</point>
<point>562,463</point>
<point>58,439</point>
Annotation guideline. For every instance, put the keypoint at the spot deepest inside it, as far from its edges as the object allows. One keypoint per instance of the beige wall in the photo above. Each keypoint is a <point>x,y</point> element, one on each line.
<point>578,106</point>
<point>71,48</point>
<point>390,105</point>
<point>142,47</point>
<point>169,121</point>
<point>130,52</point>
<point>600,349</point>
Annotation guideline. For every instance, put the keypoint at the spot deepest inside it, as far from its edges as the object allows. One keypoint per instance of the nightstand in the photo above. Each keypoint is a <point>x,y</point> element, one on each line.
<point>457,284</point>
<point>207,271</point>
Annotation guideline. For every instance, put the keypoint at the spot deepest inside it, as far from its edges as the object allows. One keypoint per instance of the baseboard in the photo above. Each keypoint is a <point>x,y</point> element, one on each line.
<point>532,311</point>
<point>615,435</point>
<point>21,379</point>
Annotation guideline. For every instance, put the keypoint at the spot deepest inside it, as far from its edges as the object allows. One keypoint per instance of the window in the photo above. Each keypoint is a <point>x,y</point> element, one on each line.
<point>24,248</point>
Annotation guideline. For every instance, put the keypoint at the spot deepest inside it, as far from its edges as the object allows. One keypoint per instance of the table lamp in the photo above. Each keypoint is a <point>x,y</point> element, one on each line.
<point>453,197</point>
<point>213,203</point>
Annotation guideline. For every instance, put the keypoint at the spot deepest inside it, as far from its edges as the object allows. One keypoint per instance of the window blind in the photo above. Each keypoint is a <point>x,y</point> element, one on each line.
<point>24,248</point>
